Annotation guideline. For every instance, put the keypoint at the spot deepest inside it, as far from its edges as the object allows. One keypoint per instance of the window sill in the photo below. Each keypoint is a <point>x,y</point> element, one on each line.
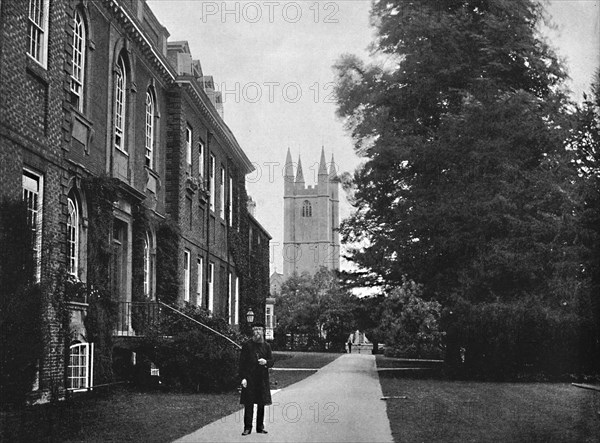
<point>39,64</point>
<point>152,172</point>
<point>37,70</point>
<point>122,151</point>
<point>78,305</point>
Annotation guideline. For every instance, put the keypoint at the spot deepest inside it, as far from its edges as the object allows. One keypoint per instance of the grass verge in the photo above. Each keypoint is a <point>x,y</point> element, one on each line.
<point>439,410</point>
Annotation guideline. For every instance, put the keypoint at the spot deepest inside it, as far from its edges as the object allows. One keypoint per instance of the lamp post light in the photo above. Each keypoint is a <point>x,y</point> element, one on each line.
<point>250,319</point>
<point>250,316</point>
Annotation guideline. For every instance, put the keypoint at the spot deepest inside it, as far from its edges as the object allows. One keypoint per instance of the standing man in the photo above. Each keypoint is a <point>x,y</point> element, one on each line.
<point>255,360</point>
<point>350,345</point>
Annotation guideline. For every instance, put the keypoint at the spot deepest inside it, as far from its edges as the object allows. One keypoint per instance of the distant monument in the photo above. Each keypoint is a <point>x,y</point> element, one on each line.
<point>311,219</point>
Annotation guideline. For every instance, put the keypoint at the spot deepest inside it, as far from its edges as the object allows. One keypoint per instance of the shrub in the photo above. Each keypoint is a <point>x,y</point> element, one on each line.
<point>502,341</point>
<point>191,357</point>
<point>411,323</point>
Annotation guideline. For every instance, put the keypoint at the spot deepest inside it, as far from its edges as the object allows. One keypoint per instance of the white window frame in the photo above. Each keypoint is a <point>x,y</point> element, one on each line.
<point>211,287</point>
<point>81,367</point>
<point>72,237</point>
<point>189,136</point>
<point>229,298</point>
<point>201,159</point>
<point>33,195</point>
<point>38,31</point>
<point>186,274</point>
<point>236,314</point>
<point>222,194</point>
<point>268,316</point>
<point>150,129</point>
<point>120,105</point>
<point>78,59</point>
<point>230,208</point>
<point>211,171</point>
<point>147,267</point>
<point>199,282</point>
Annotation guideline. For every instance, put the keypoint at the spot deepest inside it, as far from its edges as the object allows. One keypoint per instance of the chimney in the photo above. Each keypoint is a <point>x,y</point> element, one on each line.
<point>219,104</point>
<point>251,204</point>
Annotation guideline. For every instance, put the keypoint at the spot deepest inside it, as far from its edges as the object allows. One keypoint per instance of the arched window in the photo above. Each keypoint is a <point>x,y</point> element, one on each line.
<point>306,209</point>
<point>147,266</point>
<point>150,108</point>
<point>120,97</point>
<point>73,237</point>
<point>78,62</point>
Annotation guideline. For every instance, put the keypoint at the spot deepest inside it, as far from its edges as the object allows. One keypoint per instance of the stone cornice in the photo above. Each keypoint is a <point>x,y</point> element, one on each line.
<point>135,32</point>
<point>190,84</point>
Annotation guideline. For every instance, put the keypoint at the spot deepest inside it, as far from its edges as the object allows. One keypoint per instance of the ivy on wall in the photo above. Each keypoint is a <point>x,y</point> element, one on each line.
<point>141,228</point>
<point>21,315</point>
<point>167,252</point>
<point>102,313</point>
<point>251,268</point>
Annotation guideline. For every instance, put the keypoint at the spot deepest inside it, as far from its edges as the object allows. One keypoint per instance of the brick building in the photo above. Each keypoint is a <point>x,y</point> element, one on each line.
<point>98,108</point>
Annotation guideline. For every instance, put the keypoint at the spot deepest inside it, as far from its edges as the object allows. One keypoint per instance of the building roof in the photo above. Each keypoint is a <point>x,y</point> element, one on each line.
<point>259,226</point>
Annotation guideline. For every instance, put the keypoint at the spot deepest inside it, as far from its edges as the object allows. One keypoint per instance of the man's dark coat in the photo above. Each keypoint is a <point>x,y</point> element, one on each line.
<point>258,390</point>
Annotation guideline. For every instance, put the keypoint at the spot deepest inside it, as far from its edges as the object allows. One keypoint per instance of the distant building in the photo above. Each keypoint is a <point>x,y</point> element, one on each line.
<point>270,318</point>
<point>311,219</point>
<point>276,281</point>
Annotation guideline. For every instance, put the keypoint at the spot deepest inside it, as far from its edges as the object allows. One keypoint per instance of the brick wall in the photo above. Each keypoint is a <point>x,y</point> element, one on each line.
<point>31,137</point>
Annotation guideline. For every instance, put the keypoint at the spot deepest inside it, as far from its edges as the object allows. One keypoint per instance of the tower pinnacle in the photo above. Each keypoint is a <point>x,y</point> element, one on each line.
<point>322,165</point>
<point>332,169</point>
<point>299,173</point>
<point>289,166</point>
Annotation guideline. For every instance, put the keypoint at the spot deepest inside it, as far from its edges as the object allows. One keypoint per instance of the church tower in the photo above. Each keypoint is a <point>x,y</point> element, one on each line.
<point>311,218</point>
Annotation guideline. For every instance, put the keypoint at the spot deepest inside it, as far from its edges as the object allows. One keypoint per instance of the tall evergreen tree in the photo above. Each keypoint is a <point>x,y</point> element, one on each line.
<point>465,187</point>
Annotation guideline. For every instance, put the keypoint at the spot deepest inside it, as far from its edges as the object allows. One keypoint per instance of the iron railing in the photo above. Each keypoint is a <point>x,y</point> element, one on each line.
<point>138,319</point>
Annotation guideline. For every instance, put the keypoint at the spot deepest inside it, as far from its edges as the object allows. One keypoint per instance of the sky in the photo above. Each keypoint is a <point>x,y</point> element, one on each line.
<point>272,61</point>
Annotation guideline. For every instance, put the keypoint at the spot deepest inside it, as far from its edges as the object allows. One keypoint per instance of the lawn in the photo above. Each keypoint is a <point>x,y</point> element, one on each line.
<point>297,360</point>
<point>124,413</point>
<point>439,410</point>
<point>304,360</point>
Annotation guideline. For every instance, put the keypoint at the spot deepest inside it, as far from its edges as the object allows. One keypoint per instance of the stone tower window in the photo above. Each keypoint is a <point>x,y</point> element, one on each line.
<point>306,209</point>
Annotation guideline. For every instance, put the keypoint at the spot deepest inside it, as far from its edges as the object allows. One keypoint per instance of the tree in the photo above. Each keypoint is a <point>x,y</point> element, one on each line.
<point>411,324</point>
<point>584,142</point>
<point>315,306</point>
<point>466,183</point>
